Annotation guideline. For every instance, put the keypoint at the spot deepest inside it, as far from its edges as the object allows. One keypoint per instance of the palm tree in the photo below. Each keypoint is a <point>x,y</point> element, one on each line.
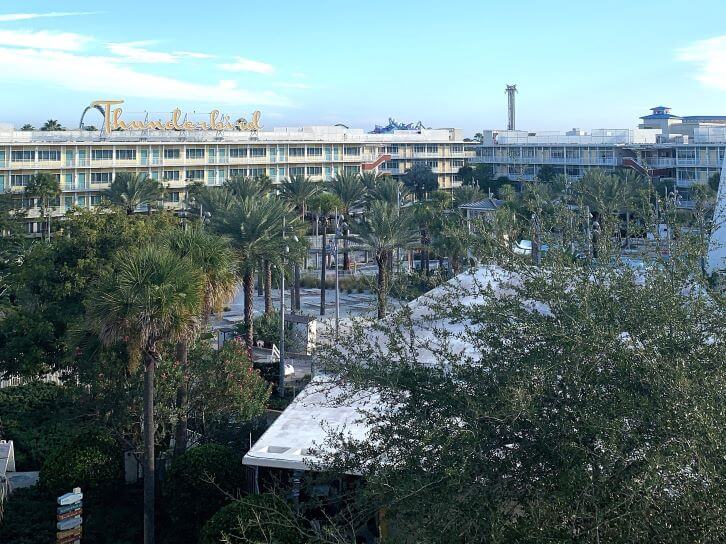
<point>44,187</point>
<point>27,127</point>
<point>150,296</point>
<point>254,224</point>
<point>242,187</point>
<point>351,191</point>
<point>385,229</point>
<point>214,257</point>
<point>387,189</point>
<point>467,194</point>
<point>298,190</point>
<point>371,179</point>
<point>130,190</point>
<point>452,240</point>
<point>51,124</point>
<point>324,205</point>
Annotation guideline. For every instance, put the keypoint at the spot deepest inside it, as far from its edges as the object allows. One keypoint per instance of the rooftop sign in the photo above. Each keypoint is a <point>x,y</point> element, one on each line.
<point>216,121</point>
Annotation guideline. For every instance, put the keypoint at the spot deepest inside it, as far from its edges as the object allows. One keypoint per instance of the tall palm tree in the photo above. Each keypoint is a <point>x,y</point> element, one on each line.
<point>254,224</point>
<point>52,124</point>
<point>387,189</point>
<point>242,187</point>
<point>44,187</point>
<point>371,179</point>
<point>351,191</point>
<point>214,257</point>
<point>383,231</point>
<point>27,127</point>
<point>130,190</point>
<point>150,296</point>
<point>298,190</point>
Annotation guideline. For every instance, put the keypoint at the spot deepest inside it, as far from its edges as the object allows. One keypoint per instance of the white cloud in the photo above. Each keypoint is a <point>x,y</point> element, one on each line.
<point>110,79</point>
<point>241,64</point>
<point>25,16</point>
<point>137,52</point>
<point>294,85</point>
<point>710,57</point>
<point>42,39</point>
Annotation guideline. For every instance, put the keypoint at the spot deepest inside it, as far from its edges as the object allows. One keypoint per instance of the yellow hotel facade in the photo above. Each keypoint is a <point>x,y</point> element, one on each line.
<point>85,162</point>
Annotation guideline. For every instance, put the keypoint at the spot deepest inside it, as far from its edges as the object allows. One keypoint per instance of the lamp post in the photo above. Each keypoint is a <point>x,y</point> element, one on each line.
<point>285,251</point>
<point>339,222</point>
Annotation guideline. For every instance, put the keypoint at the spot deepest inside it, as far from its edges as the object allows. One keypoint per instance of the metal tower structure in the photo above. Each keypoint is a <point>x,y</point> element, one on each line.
<point>511,91</point>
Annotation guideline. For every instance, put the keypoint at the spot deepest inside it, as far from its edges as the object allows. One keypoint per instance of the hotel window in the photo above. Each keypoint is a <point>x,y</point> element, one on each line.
<point>557,153</point>
<point>23,156</point>
<point>391,165</point>
<point>315,151</point>
<point>350,150</point>
<point>391,149</point>
<point>432,164</point>
<point>48,155</point>
<point>171,154</point>
<point>237,172</point>
<point>101,154</point>
<point>432,148</point>
<point>281,171</point>
<point>238,152</point>
<point>20,180</point>
<point>457,148</point>
<point>125,154</point>
<point>95,200</point>
<point>315,170</point>
<point>257,172</point>
<point>351,169</point>
<point>573,170</point>
<point>172,197</point>
<point>297,151</point>
<point>171,175</point>
<point>82,201</point>
<point>419,149</point>
<point>297,170</point>
<point>258,152</point>
<point>100,177</point>
<point>68,201</point>
<point>457,163</point>
<point>195,174</point>
<point>528,152</point>
<point>195,153</point>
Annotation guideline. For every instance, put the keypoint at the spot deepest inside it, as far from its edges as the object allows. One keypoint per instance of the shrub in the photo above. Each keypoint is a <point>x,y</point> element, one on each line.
<point>92,461</point>
<point>29,517</point>
<point>252,519</point>
<point>196,486</point>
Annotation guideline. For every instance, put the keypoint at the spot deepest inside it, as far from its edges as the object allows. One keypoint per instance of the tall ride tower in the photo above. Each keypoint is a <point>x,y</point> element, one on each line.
<point>511,90</point>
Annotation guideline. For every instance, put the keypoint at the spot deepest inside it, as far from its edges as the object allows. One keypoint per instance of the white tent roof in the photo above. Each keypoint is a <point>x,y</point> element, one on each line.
<point>717,246</point>
<point>305,424</point>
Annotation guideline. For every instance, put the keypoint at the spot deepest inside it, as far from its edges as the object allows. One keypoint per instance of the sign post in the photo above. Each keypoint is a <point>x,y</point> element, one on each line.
<point>69,518</point>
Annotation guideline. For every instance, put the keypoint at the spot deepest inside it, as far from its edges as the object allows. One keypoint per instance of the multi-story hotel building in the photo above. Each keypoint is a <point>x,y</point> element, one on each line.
<point>86,162</point>
<point>686,149</point>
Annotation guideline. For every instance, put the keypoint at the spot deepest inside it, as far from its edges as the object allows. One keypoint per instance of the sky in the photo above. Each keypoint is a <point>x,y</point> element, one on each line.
<point>578,64</point>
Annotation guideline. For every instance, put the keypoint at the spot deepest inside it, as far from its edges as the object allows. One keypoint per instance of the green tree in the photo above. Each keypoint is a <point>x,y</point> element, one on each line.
<point>351,191</point>
<point>197,484</point>
<point>45,188</point>
<point>387,189</point>
<point>420,180</point>
<point>214,257</point>
<point>466,173</point>
<point>51,124</point>
<point>129,191</point>
<point>385,229</point>
<point>151,296</point>
<point>467,194</point>
<point>585,407</point>
<point>546,173</point>
<point>27,127</point>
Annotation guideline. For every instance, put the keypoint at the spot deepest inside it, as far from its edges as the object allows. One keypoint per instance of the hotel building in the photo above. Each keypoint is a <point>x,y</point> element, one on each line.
<point>86,162</point>
<point>685,149</point>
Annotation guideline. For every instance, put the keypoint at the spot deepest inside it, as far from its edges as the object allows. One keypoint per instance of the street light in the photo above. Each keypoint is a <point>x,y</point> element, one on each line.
<point>286,250</point>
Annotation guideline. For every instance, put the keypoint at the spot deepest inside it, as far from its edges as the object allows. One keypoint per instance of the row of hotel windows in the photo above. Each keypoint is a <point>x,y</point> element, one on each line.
<point>22,180</point>
<point>84,200</point>
<point>28,155</point>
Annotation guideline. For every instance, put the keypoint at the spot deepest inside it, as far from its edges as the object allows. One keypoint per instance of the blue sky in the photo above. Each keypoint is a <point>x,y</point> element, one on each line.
<point>576,63</point>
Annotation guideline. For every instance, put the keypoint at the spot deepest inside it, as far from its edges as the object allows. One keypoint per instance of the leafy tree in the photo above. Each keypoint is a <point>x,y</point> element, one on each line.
<point>420,180</point>
<point>197,484</point>
<point>51,124</point>
<point>92,461</point>
<point>484,176</point>
<point>546,173</point>
<point>587,407</point>
<point>45,188</point>
<point>151,296</point>
<point>129,191</point>
<point>466,173</point>
<point>466,195</point>
<point>714,181</point>
<point>253,519</point>
<point>385,229</point>
<point>27,127</point>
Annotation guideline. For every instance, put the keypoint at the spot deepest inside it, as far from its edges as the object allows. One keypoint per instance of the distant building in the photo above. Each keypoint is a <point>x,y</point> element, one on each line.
<point>687,150</point>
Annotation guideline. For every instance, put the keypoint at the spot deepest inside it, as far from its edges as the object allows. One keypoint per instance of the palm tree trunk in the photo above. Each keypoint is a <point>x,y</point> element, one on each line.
<point>248,287</point>
<point>382,285</point>
<point>259,281</point>
<point>149,468</point>
<point>182,398</point>
<point>296,287</point>
<point>322,271</point>
<point>268,288</point>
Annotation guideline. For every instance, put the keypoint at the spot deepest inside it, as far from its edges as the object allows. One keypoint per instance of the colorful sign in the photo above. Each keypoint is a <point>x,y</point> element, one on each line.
<point>216,120</point>
<point>69,518</point>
